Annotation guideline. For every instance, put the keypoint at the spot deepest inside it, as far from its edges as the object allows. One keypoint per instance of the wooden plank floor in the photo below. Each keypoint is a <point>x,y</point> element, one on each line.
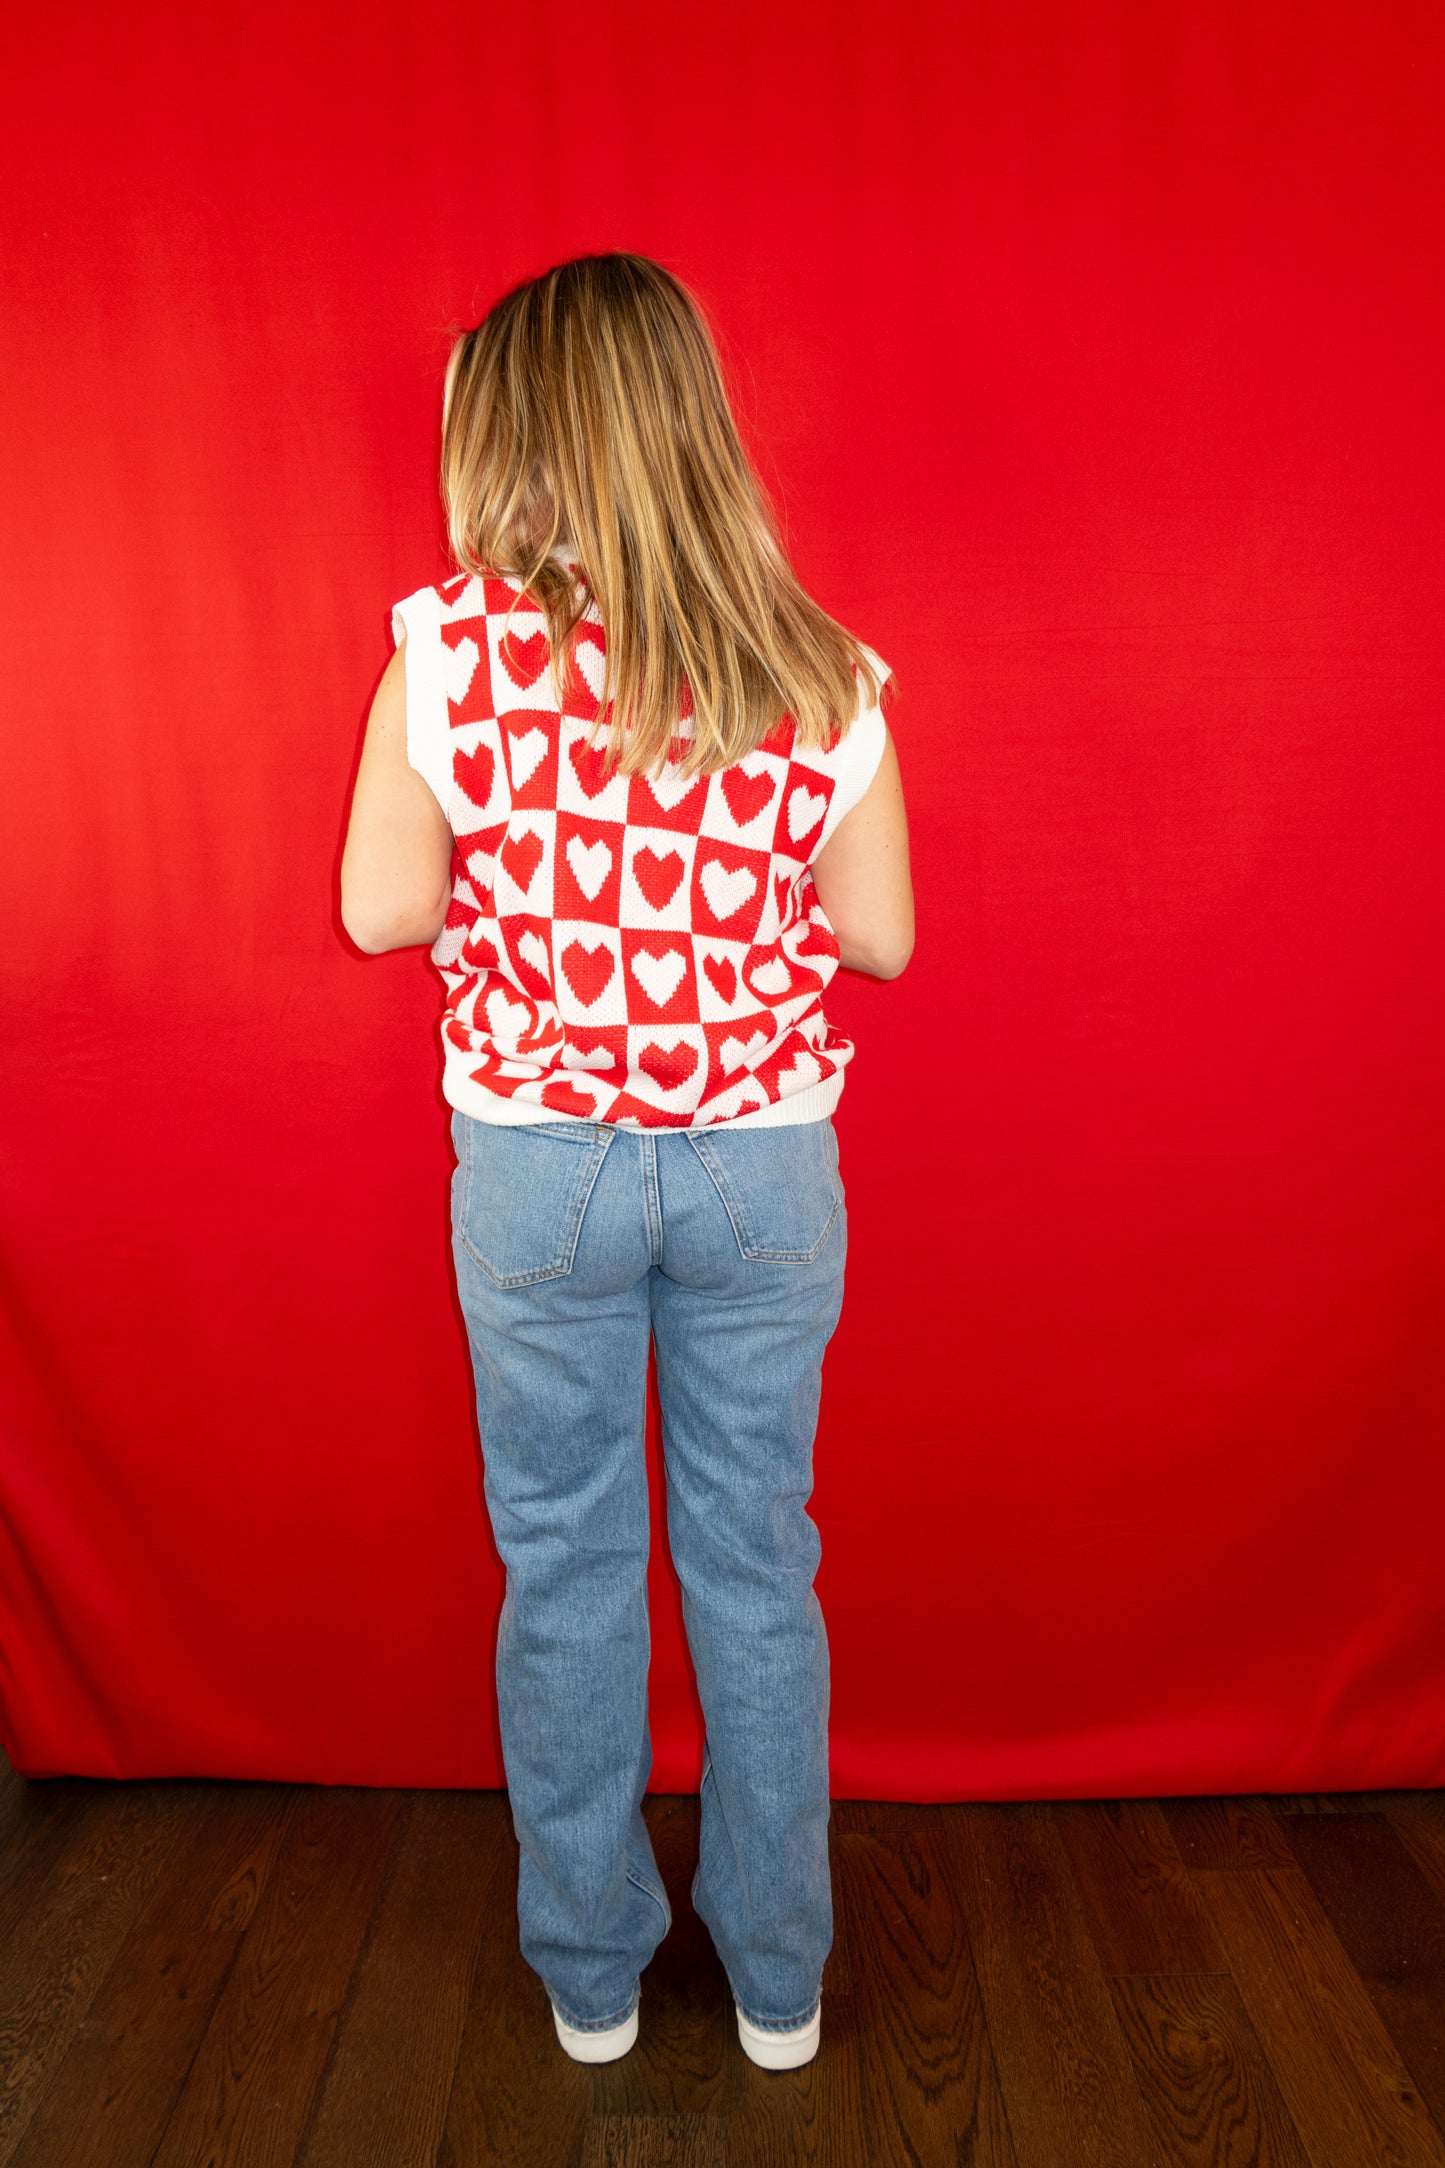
<point>199,1973</point>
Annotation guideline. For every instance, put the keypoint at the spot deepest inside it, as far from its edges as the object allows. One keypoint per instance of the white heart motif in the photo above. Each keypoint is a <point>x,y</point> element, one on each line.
<point>458,666</point>
<point>659,976</point>
<point>527,753</point>
<point>506,1020</point>
<point>726,892</point>
<point>669,790</point>
<point>772,977</point>
<point>736,1053</point>
<point>591,863</point>
<point>534,950</point>
<point>805,809</point>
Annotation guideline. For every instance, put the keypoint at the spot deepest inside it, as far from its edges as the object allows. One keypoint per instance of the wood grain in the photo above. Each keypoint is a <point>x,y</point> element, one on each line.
<point>515,2097</point>
<point>679,2065</point>
<point>1143,1911</point>
<point>65,1940</point>
<point>114,2090</point>
<point>929,2088</point>
<point>1206,2081</point>
<point>37,1822</point>
<point>1390,1923</point>
<point>1281,1803</point>
<point>217,1886</point>
<point>887,1817</point>
<point>655,2141</point>
<point>389,2076</point>
<point>1068,2083</point>
<point>246,2099</point>
<point>1352,2100</point>
<point>198,1973</point>
<point>1226,1832</point>
<point>1418,1820</point>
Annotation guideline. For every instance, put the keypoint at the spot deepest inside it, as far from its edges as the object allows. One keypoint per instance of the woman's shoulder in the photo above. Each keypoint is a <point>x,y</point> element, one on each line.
<point>861,737</point>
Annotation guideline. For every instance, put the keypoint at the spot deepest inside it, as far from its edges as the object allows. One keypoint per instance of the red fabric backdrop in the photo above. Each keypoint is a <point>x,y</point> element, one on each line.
<point>1093,352</point>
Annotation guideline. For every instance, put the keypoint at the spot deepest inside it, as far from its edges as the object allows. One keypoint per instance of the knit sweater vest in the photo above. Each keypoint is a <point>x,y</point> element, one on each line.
<point>645,951</point>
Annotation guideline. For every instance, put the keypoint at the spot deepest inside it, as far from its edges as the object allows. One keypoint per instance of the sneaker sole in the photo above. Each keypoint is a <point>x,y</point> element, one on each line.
<point>781,2050</point>
<point>596,2047</point>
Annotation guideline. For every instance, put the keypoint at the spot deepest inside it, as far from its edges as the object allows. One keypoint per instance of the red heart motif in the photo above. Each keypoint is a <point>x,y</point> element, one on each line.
<point>746,794</point>
<point>668,1066</point>
<point>566,1099</point>
<point>525,660</point>
<point>588,970</point>
<point>587,764</point>
<point>746,1106</point>
<point>474,773</point>
<point>521,855</point>
<point>723,974</point>
<point>656,876</point>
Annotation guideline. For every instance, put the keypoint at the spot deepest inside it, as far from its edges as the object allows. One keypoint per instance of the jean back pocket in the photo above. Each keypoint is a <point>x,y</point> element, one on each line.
<point>522,1191</point>
<point>780,1186</point>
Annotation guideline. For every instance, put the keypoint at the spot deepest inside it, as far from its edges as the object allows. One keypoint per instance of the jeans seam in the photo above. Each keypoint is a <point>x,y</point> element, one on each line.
<point>719,1182</point>
<point>653,1196</point>
<point>648,1891</point>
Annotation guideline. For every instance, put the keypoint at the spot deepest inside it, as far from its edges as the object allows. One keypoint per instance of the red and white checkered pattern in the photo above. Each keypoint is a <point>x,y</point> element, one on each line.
<point>649,952</point>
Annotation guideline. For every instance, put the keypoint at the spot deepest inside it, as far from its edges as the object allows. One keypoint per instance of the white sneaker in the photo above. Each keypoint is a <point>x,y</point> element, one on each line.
<point>595,2047</point>
<point>781,2050</point>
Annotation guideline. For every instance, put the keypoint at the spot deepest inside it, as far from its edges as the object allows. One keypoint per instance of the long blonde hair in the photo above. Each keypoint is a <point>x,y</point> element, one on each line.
<point>587,411</point>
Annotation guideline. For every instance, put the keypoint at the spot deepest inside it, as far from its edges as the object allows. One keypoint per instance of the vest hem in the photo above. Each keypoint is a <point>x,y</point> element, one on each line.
<point>815,1104</point>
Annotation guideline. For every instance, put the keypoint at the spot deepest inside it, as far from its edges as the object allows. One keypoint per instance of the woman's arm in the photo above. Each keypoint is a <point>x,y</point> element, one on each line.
<point>396,866</point>
<point>862,877</point>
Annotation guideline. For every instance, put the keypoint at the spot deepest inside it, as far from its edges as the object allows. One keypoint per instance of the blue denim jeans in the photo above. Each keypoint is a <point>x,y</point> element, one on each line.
<point>576,1245</point>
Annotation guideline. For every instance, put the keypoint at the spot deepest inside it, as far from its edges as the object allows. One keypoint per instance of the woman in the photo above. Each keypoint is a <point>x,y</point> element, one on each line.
<point>635,789</point>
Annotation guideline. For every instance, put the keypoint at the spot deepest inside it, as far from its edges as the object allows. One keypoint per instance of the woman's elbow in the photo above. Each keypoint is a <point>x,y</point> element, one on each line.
<point>367,941</point>
<point>894,961</point>
<point>878,959</point>
<point>363,934</point>
<point>375,935</point>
